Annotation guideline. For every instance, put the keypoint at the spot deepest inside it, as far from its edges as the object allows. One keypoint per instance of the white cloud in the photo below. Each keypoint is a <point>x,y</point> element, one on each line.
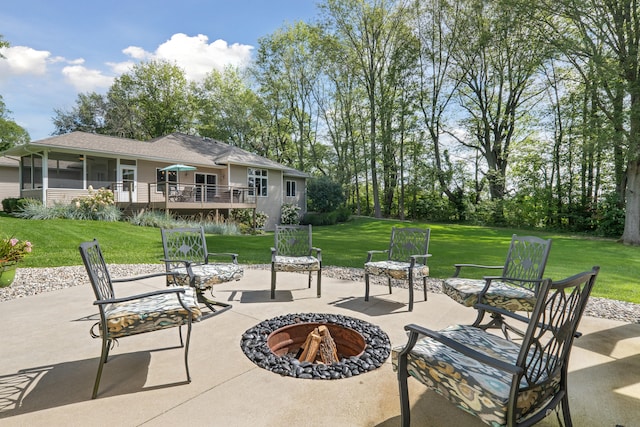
<point>85,79</point>
<point>196,55</point>
<point>23,60</point>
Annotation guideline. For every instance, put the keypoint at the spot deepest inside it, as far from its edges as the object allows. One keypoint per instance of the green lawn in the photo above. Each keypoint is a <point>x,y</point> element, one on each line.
<point>56,244</point>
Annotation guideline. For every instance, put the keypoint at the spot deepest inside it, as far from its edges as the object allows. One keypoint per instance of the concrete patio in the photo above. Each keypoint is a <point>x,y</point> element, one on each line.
<point>48,364</point>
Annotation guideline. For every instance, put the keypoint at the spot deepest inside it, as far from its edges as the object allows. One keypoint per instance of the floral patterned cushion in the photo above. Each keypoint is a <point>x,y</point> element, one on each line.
<point>207,275</point>
<point>475,387</point>
<point>500,294</point>
<point>296,263</point>
<point>395,269</point>
<point>150,313</point>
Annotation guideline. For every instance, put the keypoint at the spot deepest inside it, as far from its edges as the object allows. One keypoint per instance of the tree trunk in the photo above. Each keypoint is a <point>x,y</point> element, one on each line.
<point>631,235</point>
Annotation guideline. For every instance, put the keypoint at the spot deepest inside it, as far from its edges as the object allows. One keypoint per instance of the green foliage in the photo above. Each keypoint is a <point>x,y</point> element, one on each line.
<point>290,214</point>
<point>244,219</point>
<point>434,207</point>
<point>610,217</point>
<point>324,195</point>
<point>98,205</point>
<point>11,133</point>
<point>13,204</point>
<point>320,218</point>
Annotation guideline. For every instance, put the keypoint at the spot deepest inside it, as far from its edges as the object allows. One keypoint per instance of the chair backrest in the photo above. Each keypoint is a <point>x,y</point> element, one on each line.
<point>408,241</point>
<point>97,270</point>
<point>550,333</point>
<point>526,258</point>
<point>293,240</point>
<point>183,244</point>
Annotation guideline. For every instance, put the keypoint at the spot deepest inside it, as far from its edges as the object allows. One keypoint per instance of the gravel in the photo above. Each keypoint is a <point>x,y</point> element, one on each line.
<point>33,281</point>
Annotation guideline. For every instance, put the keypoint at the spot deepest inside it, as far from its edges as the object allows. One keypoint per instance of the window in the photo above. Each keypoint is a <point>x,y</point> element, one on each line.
<point>291,189</point>
<point>165,176</point>
<point>206,187</point>
<point>65,170</point>
<point>257,182</point>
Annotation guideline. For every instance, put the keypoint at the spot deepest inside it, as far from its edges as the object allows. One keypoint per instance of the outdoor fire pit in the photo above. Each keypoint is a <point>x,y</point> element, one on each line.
<point>275,344</point>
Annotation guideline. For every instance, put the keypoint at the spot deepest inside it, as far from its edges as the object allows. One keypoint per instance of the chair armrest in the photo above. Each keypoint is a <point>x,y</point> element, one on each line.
<point>460,266</point>
<point>318,252</point>
<point>146,276</point>
<point>415,331</point>
<point>414,257</point>
<point>186,262</point>
<point>371,253</point>
<point>175,290</point>
<point>274,252</point>
<point>234,257</point>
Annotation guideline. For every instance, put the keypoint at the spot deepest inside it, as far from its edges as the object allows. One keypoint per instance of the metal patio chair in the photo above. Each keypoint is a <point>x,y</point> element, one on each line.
<point>406,259</point>
<point>191,264</point>
<point>293,251</point>
<point>135,314</point>
<point>502,382</point>
<point>515,289</point>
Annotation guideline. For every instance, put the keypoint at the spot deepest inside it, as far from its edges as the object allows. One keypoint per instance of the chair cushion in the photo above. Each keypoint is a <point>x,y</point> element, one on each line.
<point>475,387</point>
<point>395,269</point>
<point>500,294</point>
<point>207,275</point>
<point>296,263</point>
<point>150,313</point>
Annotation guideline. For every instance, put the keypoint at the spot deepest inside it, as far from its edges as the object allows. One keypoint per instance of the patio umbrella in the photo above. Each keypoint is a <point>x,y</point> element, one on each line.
<point>177,168</point>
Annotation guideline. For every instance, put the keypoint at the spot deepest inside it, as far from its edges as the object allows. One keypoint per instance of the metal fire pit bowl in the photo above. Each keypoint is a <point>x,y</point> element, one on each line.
<point>272,344</point>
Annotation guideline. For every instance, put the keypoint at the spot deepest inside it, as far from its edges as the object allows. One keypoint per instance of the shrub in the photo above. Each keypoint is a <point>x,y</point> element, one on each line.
<point>320,218</point>
<point>98,205</point>
<point>324,195</point>
<point>13,204</point>
<point>244,219</point>
<point>290,214</point>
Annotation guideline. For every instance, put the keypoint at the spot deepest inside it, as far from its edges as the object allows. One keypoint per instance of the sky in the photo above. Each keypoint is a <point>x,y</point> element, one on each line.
<point>59,49</point>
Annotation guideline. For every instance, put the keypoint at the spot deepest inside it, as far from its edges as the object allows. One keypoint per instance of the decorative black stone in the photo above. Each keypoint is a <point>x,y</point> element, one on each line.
<point>377,350</point>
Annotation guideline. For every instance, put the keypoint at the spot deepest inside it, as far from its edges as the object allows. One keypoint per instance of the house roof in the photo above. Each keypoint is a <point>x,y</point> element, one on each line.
<point>173,148</point>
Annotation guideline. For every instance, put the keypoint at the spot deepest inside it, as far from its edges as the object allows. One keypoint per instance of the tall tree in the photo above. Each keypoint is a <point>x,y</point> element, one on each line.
<point>149,101</point>
<point>287,69</point>
<point>369,31</point>
<point>497,69</point>
<point>228,109</point>
<point>605,34</point>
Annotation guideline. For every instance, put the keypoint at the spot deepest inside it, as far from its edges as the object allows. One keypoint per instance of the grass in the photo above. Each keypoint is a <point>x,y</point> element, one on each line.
<point>56,244</point>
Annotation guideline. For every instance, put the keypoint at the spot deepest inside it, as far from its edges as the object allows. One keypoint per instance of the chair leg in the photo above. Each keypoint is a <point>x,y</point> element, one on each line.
<point>309,286</point>
<point>566,415</point>
<point>389,282</point>
<point>106,343</point>
<point>424,287</point>
<point>319,290</point>
<point>273,282</point>
<point>410,291</point>
<point>366,286</point>
<point>405,411</point>
<point>186,348</point>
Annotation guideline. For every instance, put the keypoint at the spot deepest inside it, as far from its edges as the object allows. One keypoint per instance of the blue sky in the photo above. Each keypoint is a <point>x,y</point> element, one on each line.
<point>62,48</point>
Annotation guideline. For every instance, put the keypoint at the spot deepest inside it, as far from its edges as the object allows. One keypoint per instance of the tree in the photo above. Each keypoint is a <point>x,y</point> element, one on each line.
<point>228,109</point>
<point>151,100</point>
<point>370,33</point>
<point>11,133</point>
<point>602,41</point>
<point>88,115</point>
<point>497,68</point>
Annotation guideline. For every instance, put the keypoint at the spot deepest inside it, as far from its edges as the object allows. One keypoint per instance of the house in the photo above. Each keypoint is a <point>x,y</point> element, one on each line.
<point>180,173</point>
<point>9,178</point>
